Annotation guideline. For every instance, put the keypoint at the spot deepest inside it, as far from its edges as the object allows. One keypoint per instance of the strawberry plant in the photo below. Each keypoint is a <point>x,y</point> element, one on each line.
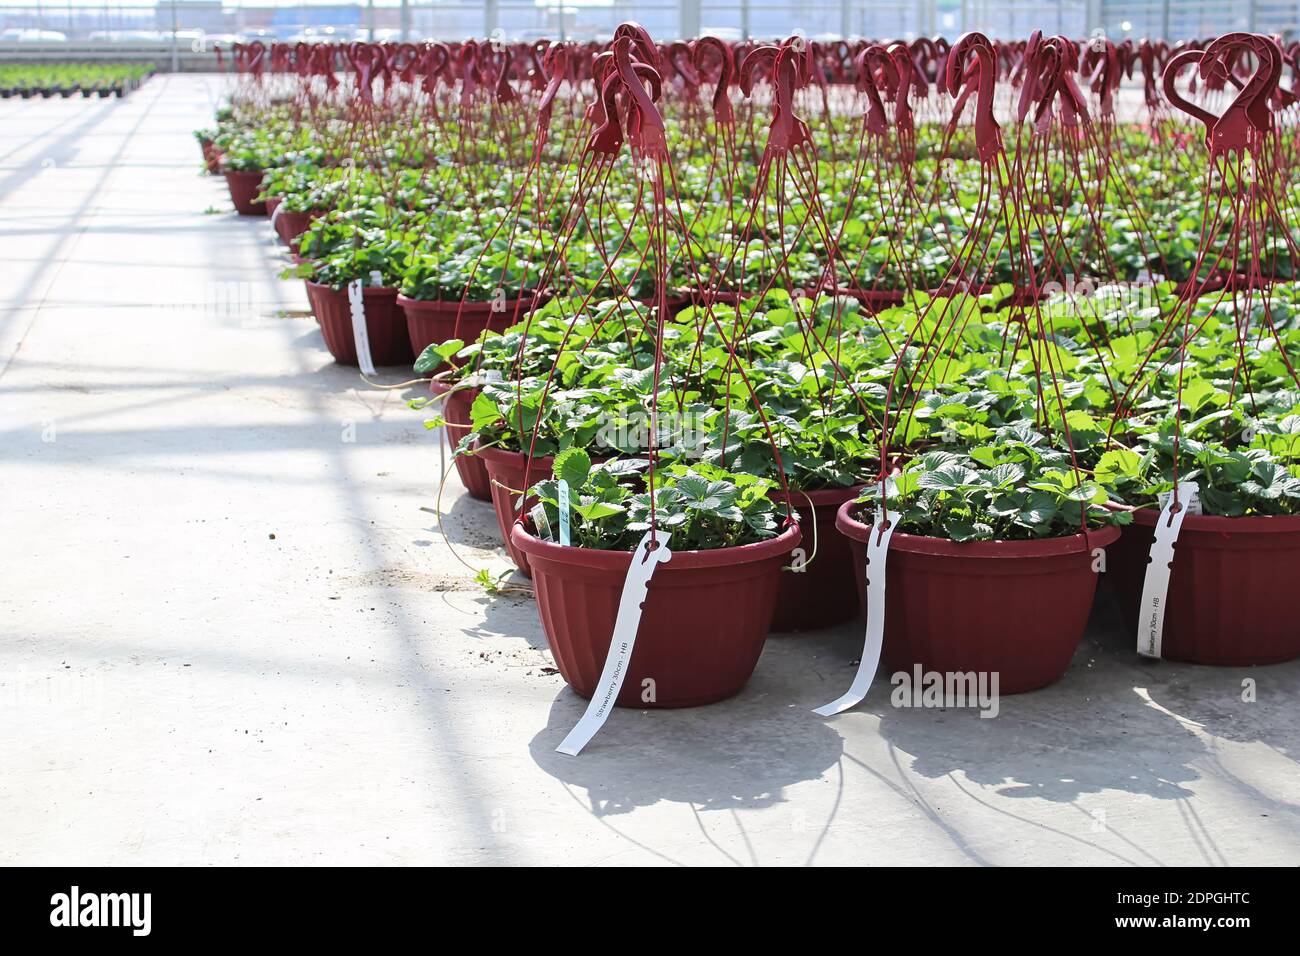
<point>703,507</point>
<point>1016,487</point>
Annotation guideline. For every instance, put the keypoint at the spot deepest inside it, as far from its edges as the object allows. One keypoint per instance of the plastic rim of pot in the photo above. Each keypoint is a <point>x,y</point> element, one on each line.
<point>1015,608</point>
<point>384,324</point>
<point>456,412</point>
<point>703,626</point>
<point>824,593</point>
<point>1229,600</point>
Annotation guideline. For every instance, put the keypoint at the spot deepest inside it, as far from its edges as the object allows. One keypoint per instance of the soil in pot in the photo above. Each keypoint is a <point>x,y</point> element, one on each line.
<point>702,630</point>
<point>456,412</point>
<point>824,593</point>
<point>505,471</point>
<point>1229,600</point>
<point>384,324</point>
<point>1017,608</point>
<point>245,186</point>
<point>436,322</point>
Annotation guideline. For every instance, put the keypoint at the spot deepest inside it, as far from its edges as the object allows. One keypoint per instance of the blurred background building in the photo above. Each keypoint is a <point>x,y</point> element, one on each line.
<point>43,28</point>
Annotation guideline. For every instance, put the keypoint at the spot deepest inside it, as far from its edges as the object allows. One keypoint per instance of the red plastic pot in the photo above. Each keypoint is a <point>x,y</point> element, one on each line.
<point>1221,280</point>
<point>429,322</point>
<point>384,324</point>
<point>875,300</point>
<point>290,226</point>
<point>505,471</point>
<point>705,620</point>
<point>456,412</point>
<point>211,154</point>
<point>1229,601</point>
<point>1017,608</point>
<point>824,593</point>
<point>719,300</point>
<point>1019,296</point>
<point>245,187</point>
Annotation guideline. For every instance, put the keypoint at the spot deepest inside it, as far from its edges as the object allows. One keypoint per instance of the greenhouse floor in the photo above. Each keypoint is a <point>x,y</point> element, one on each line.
<point>231,630</point>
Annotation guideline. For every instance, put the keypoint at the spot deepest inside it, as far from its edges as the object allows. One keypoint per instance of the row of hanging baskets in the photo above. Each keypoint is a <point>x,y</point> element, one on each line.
<point>738,338</point>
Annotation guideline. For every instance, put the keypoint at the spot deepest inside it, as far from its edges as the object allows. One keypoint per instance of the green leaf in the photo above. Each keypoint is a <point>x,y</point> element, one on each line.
<point>950,477</point>
<point>483,412</point>
<point>573,465</point>
<point>1086,492</point>
<point>429,360</point>
<point>1006,474</point>
<point>1196,393</point>
<point>595,510</point>
<point>1118,463</point>
<point>1039,510</point>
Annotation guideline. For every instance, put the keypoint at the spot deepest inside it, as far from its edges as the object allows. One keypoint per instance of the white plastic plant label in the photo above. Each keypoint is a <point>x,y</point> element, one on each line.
<point>630,605</point>
<point>877,553</point>
<point>540,521</point>
<point>360,334</point>
<point>1192,507</point>
<point>564,512</point>
<point>1155,586</point>
<point>275,236</point>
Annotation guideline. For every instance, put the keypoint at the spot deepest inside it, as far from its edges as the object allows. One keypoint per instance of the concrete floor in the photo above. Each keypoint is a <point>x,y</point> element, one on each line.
<point>228,634</point>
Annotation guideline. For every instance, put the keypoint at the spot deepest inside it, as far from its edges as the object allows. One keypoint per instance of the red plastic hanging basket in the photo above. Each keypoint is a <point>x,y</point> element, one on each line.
<point>505,471</point>
<point>384,324</point>
<point>456,412</point>
<point>1017,608</point>
<point>211,154</point>
<point>823,594</point>
<point>290,226</point>
<point>1229,599</point>
<point>435,322</point>
<point>245,186</point>
<point>702,631</point>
